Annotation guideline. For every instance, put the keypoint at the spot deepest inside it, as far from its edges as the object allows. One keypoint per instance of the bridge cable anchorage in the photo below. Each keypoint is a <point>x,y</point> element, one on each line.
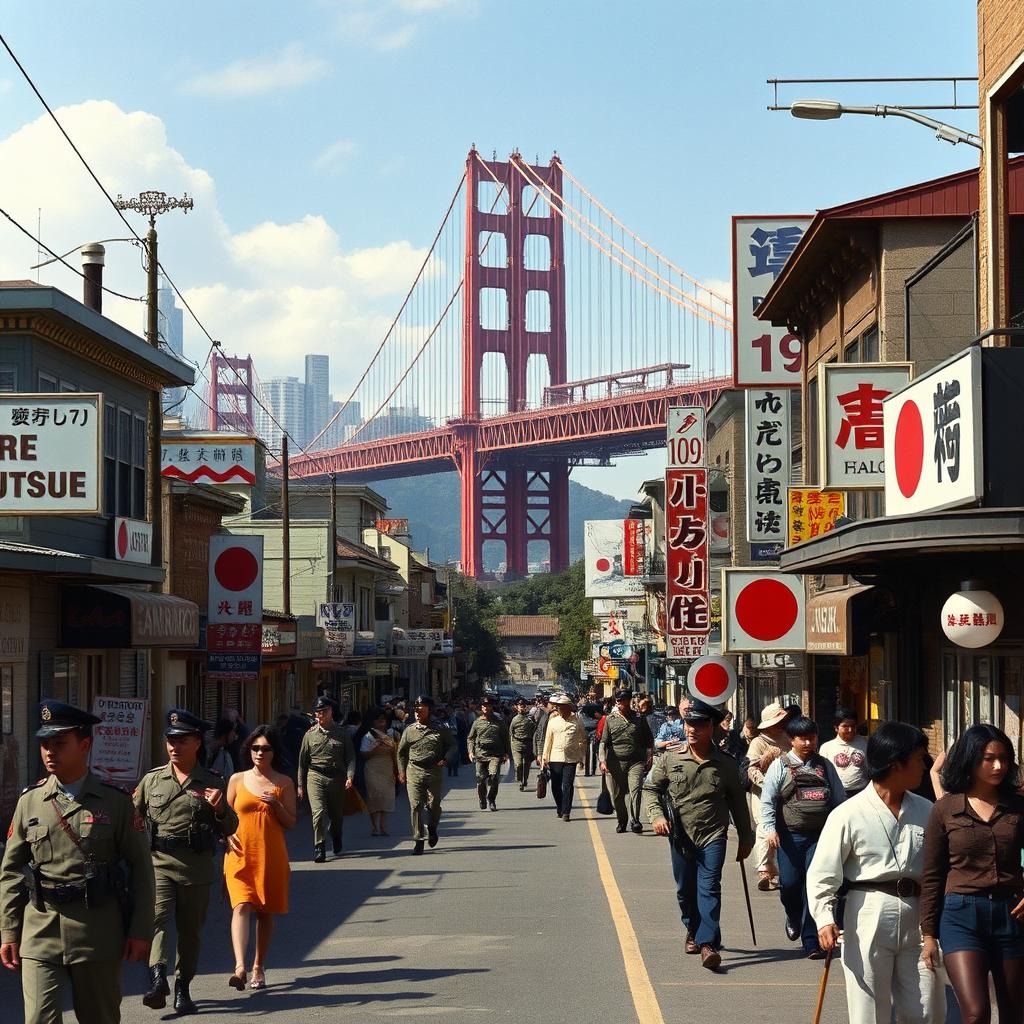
<point>706,312</point>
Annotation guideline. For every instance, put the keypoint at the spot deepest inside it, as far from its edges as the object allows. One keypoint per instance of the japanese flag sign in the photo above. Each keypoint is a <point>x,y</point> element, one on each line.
<point>236,579</point>
<point>711,679</point>
<point>763,610</point>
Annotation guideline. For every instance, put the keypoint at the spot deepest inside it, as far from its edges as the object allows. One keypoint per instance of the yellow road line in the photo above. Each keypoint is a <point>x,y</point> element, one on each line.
<point>645,1002</point>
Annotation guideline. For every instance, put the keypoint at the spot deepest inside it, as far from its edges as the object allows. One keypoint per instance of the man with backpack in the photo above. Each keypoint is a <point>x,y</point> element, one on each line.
<point>800,789</point>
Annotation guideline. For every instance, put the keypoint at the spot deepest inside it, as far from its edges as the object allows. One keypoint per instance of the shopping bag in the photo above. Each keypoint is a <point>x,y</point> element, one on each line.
<point>542,784</point>
<point>352,803</point>
<point>604,801</point>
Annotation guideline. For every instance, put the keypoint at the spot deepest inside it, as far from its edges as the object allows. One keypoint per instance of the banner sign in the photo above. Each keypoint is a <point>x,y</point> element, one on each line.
<point>765,610</point>
<point>133,540</point>
<point>234,631</point>
<point>763,355</point>
<point>768,461</point>
<point>616,553</point>
<point>850,397</point>
<point>688,598</point>
<point>418,643</point>
<point>338,619</point>
<point>933,439</point>
<point>685,436</point>
<point>116,755</point>
<point>50,454</point>
<point>812,513</point>
<point>224,667</point>
<point>210,460</point>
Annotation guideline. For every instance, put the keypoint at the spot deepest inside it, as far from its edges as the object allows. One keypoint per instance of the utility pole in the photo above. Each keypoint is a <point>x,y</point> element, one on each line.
<point>286,537</point>
<point>333,546</point>
<point>152,204</point>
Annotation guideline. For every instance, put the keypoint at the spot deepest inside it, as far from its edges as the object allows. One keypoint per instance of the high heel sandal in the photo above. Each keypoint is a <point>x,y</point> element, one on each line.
<point>259,979</point>
<point>237,980</point>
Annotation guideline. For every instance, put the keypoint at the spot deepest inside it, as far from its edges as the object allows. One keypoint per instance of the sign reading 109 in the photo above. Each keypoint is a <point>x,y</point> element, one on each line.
<point>685,436</point>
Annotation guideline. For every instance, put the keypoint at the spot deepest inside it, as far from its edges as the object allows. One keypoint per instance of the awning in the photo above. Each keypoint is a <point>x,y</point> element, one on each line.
<point>122,617</point>
<point>829,621</point>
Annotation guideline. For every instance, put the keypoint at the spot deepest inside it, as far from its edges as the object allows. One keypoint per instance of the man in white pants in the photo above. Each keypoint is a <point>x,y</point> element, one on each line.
<point>873,844</point>
<point>765,747</point>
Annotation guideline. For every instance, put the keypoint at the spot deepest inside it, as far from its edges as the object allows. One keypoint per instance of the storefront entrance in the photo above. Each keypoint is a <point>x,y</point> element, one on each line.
<point>985,687</point>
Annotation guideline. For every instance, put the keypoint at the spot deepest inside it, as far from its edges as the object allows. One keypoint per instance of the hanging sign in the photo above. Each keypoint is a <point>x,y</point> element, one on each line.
<point>812,513</point>
<point>763,355</point>
<point>685,436</point>
<point>933,439</point>
<point>234,631</point>
<point>616,553</point>
<point>972,618</point>
<point>851,446</point>
<point>687,565</point>
<point>768,461</point>
<point>763,610</point>
<point>338,619</point>
<point>712,680</point>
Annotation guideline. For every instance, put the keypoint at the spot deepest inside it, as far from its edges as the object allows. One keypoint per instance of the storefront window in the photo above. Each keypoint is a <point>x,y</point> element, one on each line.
<point>983,688</point>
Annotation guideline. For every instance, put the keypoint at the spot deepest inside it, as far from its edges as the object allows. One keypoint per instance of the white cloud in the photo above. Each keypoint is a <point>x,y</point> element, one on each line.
<point>257,76</point>
<point>392,25</point>
<point>336,155</point>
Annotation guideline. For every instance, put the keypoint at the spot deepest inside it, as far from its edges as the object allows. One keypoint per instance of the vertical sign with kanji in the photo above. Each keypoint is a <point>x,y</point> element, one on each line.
<point>763,355</point>
<point>768,431</point>
<point>850,397</point>
<point>812,513</point>
<point>234,631</point>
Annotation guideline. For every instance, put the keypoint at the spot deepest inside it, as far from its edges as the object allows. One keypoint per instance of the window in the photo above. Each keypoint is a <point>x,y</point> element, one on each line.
<point>48,383</point>
<point>8,379</point>
<point>869,345</point>
<point>812,432</point>
<point>124,462</point>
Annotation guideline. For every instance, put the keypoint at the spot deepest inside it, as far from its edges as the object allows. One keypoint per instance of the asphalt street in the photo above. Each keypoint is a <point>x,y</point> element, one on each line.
<point>510,917</point>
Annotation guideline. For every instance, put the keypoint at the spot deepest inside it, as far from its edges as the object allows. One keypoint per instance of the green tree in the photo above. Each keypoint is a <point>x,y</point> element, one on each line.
<point>476,625</point>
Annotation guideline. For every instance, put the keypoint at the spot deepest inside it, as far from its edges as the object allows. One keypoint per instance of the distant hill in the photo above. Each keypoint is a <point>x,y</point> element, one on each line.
<point>431,504</point>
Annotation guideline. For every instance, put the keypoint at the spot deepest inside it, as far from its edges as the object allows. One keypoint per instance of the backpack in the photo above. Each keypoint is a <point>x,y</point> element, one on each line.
<point>806,796</point>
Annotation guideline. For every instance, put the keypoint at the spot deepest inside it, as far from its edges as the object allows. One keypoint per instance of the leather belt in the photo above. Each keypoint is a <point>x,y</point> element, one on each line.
<point>327,774</point>
<point>902,887</point>
<point>62,893</point>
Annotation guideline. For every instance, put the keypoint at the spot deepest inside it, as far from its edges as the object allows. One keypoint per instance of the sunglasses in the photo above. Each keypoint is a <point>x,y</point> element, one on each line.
<point>260,748</point>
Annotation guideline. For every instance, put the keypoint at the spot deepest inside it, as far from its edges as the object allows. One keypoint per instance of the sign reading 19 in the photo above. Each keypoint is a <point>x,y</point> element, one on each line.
<point>789,349</point>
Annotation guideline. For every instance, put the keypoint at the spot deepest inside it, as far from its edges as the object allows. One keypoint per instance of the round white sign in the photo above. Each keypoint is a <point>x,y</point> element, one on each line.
<point>972,618</point>
<point>712,680</point>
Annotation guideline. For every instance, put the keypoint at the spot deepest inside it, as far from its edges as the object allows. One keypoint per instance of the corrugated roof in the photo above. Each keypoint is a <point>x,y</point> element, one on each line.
<point>528,625</point>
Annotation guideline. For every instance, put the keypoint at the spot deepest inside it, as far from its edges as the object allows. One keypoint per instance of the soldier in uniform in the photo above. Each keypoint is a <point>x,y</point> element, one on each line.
<point>626,753</point>
<point>489,750</point>
<point>421,755</point>
<point>68,911</point>
<point>327,760</point>
<point>703,789</point>
<point>186,812</point>
<point>521,730</point>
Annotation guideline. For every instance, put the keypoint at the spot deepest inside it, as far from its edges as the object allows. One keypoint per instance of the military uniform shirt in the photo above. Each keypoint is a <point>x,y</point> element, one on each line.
<point>110,832</point>
<point>626,739</point>
<point>488,738</point>
<point>327,751</point>
<point>703,794</point>
<point>423,746</point>
<point>179,810</point>
<point>521,730</point>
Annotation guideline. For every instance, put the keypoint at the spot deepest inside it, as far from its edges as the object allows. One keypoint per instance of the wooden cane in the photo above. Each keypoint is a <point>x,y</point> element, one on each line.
<point>823,986</point>
<point>750,912</point>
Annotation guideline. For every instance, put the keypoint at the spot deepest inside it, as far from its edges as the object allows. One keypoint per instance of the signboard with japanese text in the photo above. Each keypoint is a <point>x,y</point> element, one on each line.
<point>687,565</point>
<point>933,439</point>
<point>812,513</point>
<point>766,552</point>
<point>338,619</point>
<point>763,610</point>
<point>50,454</point>
<point>850,397</point>
<point>768,432</point>
<point>616,553</point>
<point>763,355</point>
<point>417,643</point>
<point>234,631</point>
<point>210,460</point>
<point>133,540</point>
<point>685,436</point>
<point>116,754</point>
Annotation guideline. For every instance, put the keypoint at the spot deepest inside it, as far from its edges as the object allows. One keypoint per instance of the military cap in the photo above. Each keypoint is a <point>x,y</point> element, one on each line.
<point>55,717</point>
<point>520,699</point>
<point>323,703</point>
<point>181,722</point>
<point>623,694</point>
<point>699,711</point>
<point>489,701</point>
<point>423,701</point>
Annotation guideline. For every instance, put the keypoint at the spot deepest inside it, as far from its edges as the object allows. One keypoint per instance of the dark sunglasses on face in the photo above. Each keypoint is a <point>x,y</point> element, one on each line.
<point>260,749</point>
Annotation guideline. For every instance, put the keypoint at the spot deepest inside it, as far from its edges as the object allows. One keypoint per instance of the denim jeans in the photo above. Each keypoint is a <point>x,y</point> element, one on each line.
<point>563,782</point>
<point>795,852</point>
<point>698,875</point>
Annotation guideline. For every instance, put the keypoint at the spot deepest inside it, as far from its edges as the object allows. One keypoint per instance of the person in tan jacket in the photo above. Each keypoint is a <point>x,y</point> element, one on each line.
<point>565,750</point>
<point>770,742</point>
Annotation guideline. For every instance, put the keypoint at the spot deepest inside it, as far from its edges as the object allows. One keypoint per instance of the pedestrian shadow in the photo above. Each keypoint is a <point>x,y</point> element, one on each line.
<point>276,998</point>
<point>371,980</point>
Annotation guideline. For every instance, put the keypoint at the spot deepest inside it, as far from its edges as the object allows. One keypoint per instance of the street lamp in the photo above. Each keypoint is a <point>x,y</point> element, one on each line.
<point>829,110</point>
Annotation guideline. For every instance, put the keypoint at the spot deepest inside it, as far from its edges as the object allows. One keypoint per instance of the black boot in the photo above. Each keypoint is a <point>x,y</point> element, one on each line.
<point>318,855</point>
<point>336,841</point>
<point>182,1000</point>
<point>481,792</point>
<point>156,997</point>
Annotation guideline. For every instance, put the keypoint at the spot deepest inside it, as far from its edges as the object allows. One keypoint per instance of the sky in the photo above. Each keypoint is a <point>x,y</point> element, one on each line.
<point>322,139</point>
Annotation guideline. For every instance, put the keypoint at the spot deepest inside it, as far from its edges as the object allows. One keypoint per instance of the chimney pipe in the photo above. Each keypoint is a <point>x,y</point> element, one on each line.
<point>92,269</point>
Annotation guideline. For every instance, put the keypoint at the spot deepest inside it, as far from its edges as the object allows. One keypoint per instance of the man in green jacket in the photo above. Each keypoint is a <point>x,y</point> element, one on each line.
<point>186,811</point>
<point>489,750</point>
<point>626,753</point>
<point>66,916</point>
<point>703,788</point>
<point>422,752</point>
<point>520,731</point>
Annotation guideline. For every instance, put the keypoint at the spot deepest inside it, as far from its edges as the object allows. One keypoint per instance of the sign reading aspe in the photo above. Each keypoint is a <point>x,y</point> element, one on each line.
<point>50,454</point>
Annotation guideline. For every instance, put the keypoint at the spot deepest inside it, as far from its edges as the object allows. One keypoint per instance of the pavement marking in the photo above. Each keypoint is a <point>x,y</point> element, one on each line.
<point>645,1002</point>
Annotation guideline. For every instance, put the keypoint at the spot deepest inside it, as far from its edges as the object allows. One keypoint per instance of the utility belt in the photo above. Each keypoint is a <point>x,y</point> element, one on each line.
<point>101,883</point>
<point>329,774</point>
<point>902,887</point>
<point>195,841</point>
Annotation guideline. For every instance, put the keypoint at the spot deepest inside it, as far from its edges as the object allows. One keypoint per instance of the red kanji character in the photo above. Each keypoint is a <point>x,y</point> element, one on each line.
<point>863,417</point>
<point>964,620</point>
<point>991,619</point>
<point>224,608</point>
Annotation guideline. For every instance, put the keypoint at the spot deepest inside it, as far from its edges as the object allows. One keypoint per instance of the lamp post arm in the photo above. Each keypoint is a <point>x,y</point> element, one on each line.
<point>944,131</point>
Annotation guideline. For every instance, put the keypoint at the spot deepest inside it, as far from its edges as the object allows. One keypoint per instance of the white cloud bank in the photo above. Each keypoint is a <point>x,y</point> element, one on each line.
<point>258,76</point>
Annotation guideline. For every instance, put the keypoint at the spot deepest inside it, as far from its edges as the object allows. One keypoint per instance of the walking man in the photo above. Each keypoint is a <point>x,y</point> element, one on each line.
<point>64,901</point>
<point>770,742</point>
<point>421,755</point>
<point>703,789</point>
<point>186,811</point>
<point>627,750</point>
<point>327,761</point>
<point>521,730</point>
<point>489,750</point>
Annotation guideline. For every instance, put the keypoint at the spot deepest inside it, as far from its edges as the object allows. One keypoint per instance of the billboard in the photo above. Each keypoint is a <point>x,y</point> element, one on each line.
<point>616,552</point>
<point>769,447</point>
<point>687,565</point>
<point>234,631</point>
<point>209,460</point>
<point>764,610</point>
<point>812,513</point>
<point>338,619</point>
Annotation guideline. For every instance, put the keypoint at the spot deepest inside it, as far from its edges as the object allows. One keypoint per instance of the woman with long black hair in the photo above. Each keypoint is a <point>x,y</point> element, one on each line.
<point>972,892</point>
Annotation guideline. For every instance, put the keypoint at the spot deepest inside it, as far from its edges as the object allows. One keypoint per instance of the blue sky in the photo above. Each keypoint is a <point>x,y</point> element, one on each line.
<point>323,139</point>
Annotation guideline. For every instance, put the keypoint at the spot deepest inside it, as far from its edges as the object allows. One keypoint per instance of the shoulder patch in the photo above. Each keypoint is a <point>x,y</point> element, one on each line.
<point>138,822</point>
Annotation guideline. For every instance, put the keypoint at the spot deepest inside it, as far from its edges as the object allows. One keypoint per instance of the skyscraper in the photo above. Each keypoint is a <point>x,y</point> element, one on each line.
<point>318,396</point>
<point>286,397</point>
<point>171,331</point>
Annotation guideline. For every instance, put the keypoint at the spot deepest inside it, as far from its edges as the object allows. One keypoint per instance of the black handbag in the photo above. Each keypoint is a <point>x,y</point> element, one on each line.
<point>604,801</point>
<point>542,783</point>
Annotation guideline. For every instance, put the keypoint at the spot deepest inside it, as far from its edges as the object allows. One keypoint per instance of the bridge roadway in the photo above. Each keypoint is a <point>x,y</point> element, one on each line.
<point>611,425</point>
<point>509,918</point>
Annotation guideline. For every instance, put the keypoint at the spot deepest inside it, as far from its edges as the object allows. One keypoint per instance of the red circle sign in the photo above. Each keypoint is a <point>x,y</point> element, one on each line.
<point>236,569</point>
<point>766,609</point>
<point>602,565</point>
<point>122,539</point>
<point>909,448</point>
<point>711,680</point>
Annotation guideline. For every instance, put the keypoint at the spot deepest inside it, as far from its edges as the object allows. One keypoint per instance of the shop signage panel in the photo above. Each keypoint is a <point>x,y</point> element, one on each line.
<point>685,436</point>
<point>392,527</point>
<point>763,610</point>
<point>766,552</point>
<point>209,460</point>
<point>711,679</point>
<point>225,667</point>
<point>50,454</point>
<point>14,619</point>
<point>236,579</point>
<point>933,439</point>
<point>133,540</point>
<point>850,397</point>
<point>116,754</point>
<point>829,623</point>
<point>812,513</point>
<point>769,445</point>
<point>763,355</point>
<point>687,563</point>
<point>616,553</point>
<point>338,619</point>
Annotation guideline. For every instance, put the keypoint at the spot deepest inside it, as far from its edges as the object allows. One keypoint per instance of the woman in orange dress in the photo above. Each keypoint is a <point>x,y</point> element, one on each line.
<point>256,863</point>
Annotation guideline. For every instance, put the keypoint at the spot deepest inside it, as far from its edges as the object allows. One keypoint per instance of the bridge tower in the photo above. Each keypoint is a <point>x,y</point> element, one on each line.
<point>512,499</point>
<point>232,382</point>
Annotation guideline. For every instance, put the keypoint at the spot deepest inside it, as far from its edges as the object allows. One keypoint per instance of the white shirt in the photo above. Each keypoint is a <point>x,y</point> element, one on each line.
<point>849,759</point>
<point>863,842</point>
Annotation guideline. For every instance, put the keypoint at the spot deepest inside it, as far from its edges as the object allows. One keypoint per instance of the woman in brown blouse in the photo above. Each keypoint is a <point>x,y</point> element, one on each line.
<point>972,890</point>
